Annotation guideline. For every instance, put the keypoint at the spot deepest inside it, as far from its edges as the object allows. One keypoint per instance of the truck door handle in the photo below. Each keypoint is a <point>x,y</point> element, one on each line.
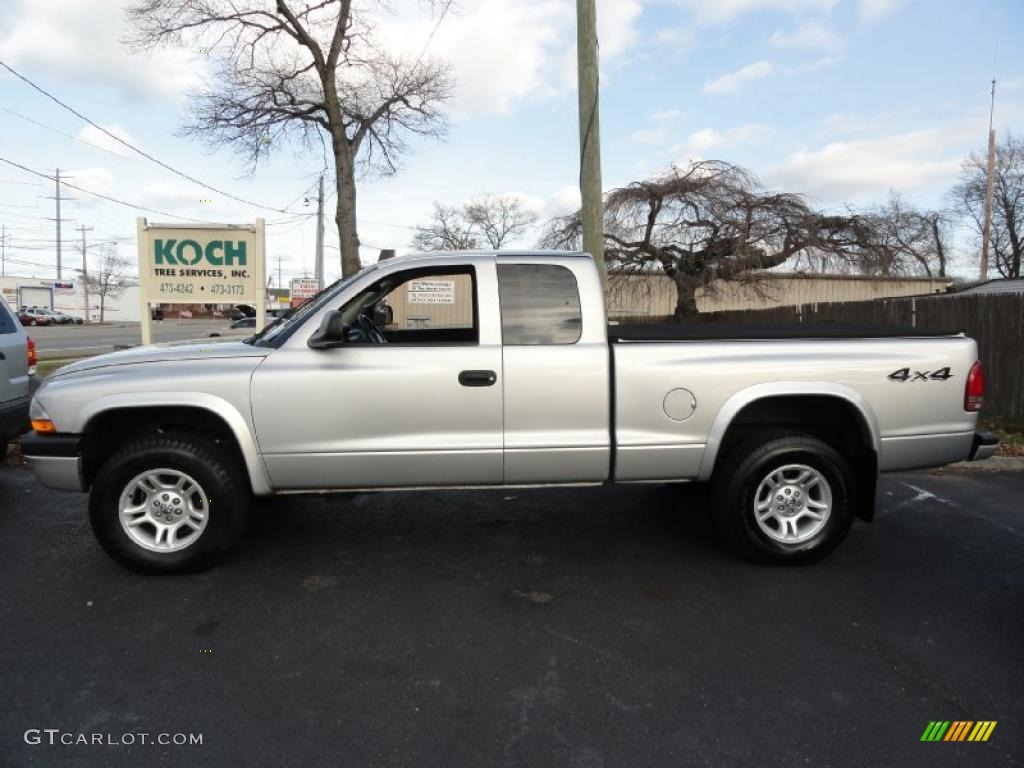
<point>477,378</point>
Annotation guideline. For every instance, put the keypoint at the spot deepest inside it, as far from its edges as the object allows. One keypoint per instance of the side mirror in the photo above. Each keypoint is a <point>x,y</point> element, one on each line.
<point>331,333</point>
<point>383,315</point>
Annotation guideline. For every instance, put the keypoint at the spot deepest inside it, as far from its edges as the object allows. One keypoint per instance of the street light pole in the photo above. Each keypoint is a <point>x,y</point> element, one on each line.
<point>592,209</point>
<point>986,228</point>
<point>320,234</point>
<point>85,273</point>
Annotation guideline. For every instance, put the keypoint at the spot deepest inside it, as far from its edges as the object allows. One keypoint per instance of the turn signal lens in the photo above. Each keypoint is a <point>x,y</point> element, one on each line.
<point>974,392</point>
<point>33,356</point>
<point>39,418</point>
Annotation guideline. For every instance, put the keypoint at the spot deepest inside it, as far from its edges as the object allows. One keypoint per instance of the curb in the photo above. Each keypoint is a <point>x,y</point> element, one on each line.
<point>992,464</point>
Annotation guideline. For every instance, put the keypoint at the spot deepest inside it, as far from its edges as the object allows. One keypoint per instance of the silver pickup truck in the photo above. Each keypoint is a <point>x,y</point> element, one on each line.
<point>484,369</point>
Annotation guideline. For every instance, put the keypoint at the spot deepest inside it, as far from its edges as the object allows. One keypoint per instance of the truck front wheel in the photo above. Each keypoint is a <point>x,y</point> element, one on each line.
<point>169,503</point>
<point>784,498</point>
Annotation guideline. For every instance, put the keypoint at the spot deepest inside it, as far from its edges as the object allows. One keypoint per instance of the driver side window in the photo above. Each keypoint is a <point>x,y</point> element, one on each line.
<point>420,306</point>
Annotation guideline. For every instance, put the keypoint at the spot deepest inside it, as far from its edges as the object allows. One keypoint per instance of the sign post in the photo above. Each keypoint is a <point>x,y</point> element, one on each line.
<point>201,264</point>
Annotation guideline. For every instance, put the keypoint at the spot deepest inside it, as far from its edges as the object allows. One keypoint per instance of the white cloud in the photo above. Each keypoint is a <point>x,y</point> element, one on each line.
<point>79,42</point>
<point>94,179</point>
<point>661,122</point>
<point>680,40</point>
<point>699,144</point>
<point>845,171</point>
<point>733,81</point>
<point>561,202</point>
<point>724,11</point>
<point>811,35</point>
<point>505,52</point>
<point>873,10</point>
<point>815,65</point>
<point>96,137</point>
<point>616,25</point>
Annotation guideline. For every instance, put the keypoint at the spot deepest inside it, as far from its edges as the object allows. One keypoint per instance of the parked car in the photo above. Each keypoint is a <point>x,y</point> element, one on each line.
<point>790,425</point>
<point>242,311</point>
<point>33,316</point>
<point>17,372</point>
<point>250,322</point>
<point>59,318</point>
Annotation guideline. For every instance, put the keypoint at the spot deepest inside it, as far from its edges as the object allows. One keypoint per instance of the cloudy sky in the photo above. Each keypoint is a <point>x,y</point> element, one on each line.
<point>841,100</point>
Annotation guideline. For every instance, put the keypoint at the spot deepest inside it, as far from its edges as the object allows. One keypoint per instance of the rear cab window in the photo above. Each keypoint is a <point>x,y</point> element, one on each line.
<point>540,304</point>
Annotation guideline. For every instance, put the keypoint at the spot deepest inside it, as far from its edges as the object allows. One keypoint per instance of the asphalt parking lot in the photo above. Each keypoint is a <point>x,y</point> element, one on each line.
<point>575,627</point>
<point>77,340</point>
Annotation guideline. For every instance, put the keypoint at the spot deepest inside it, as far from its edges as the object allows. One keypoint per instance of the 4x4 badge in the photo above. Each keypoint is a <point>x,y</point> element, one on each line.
<point>905,374</point>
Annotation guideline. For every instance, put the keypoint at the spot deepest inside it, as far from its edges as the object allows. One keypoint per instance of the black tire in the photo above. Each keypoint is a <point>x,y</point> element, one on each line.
<point>736,483</point>
<point>209,464</point>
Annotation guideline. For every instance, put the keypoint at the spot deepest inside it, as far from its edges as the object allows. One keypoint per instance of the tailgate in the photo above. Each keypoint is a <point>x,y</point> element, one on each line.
<point>13,358</point>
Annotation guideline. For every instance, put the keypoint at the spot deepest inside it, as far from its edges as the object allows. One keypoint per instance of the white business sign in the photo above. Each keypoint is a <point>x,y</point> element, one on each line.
<point>432,292</point>
<point>303,288</point>
<point>201,264</point>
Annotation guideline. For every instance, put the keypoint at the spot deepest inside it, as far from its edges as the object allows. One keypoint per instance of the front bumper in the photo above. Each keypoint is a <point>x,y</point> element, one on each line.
<point>56,460</point>
<point>985,444</point>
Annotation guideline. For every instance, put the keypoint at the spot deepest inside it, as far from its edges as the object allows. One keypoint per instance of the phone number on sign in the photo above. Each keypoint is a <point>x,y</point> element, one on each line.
<point>218,289</point>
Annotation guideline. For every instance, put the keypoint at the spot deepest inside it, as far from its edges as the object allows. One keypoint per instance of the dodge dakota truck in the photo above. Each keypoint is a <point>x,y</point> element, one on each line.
<point>499,369</point>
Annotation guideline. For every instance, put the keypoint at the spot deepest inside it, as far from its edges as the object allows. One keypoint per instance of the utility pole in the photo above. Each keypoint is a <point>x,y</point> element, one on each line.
<point>3,250</point>
<point>59,273</point>
<point>592,208</point>
<point>85,272</point>
<point>986,228</point>
<point>279,260</point>
<point>320,233</point>
<point>57,197</point>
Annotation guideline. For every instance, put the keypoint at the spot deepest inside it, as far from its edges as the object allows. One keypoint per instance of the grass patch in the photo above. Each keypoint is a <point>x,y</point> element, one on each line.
<point>45,368</point>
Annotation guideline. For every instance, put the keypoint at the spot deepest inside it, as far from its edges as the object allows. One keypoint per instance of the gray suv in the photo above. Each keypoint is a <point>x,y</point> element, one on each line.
<point>17,369</point>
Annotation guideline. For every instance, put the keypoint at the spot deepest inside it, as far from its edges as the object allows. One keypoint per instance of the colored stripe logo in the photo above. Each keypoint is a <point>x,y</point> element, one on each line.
<point>958,730</point>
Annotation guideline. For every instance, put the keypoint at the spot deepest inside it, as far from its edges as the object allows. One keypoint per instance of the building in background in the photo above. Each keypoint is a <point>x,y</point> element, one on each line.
<point>632,295</point>
<point>68,297</point>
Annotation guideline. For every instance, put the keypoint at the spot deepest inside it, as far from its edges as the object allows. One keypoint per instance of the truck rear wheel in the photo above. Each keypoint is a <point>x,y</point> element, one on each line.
<point>169,504</point>
<point>784,498</point>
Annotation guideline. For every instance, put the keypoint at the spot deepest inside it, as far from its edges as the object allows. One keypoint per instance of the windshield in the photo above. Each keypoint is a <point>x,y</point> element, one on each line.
<point>281,329</point>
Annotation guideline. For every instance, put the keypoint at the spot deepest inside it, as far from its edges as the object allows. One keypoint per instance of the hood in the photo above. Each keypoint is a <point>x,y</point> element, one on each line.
<point>168,352</point>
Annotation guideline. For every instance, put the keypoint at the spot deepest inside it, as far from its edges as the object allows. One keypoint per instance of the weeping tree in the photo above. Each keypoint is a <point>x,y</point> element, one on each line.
<point>713,221</point>
<point>301,73</point>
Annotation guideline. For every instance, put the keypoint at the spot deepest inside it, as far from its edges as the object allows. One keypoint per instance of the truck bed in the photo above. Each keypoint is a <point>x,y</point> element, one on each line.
<point>757,331</point>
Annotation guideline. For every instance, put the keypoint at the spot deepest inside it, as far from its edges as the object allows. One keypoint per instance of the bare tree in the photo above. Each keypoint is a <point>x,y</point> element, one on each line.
<point>907,240</point>
<point>493,220</point>
<point>713,221</point>
<point>499,218</point>
<point>298,71</point>
<point>448,230</point>
<point>1007,201</point>
<point>108,280</point>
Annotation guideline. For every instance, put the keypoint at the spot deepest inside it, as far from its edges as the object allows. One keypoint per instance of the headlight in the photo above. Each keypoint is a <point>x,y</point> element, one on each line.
<point>41,421</point>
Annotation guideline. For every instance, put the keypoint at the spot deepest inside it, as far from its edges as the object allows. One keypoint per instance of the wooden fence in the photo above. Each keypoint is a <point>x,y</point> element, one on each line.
<point>996,321</point>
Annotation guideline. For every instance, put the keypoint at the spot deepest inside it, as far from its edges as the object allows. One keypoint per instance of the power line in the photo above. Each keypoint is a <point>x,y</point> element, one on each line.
<point>69,136</point>
<point>131,146</point>
<point>104,197</point>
